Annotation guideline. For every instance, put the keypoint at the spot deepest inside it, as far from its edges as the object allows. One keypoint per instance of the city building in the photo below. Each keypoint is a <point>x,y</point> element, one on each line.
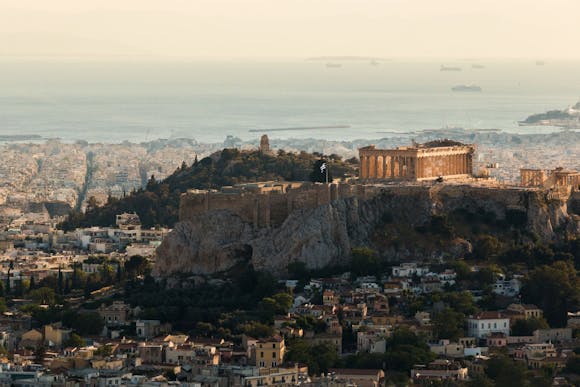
<point>270,352</point>
<point>485,323</point>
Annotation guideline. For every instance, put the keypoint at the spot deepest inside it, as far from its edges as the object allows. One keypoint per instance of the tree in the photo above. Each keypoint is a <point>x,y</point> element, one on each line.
<point>405,349</point>
<point>461,302</point>
<point>104,350</point>
<point>555,289</point>
<point>480,381</point>
<point>75,341</point>
<point>364,261</point>
<point>318,357</point>
<point>136,266</point>
<point>526,327</point>
<point>486,246</point>
<point>277,304</point>
<point>86,323</point>
<point>449,324</point>
<point>506,372</point>
<point>283,302</point>
<point>573,364</point>
<point>60,283</point>
<point>298,270</point>
<point>256,329</point>
<point>92,204</point>
<point>44,296</point>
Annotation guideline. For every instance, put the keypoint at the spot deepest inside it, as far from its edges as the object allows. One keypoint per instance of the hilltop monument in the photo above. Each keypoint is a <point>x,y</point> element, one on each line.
<point>431,160</point>
<point>265,144</point>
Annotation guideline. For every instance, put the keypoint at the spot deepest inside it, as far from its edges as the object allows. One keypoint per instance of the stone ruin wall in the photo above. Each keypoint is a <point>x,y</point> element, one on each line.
<point>269,208</point>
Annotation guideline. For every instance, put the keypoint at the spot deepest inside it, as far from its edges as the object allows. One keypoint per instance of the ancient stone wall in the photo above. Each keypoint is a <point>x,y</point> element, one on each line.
<point>264,207</point>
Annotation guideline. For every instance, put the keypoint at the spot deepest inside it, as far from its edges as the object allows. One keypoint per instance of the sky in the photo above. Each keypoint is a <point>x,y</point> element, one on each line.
<point>259,29</point>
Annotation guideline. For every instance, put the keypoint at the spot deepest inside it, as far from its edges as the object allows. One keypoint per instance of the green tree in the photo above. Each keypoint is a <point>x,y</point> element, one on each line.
<point>75,341</point>
<point>405,349</point>
<point>136,266</point>
<point>555,289</point>
<point>256,329</point>
<point>448,324</point>
<point>86,323</point>
<point>486,247</point>
<point>318,357</point>
<point>526,327</point>
<point>44,295</point>
<point>283,302</point>
<point>573,364</point>
<point>364,261</point>
<point>480,381</point>
<point>298,270</point>
<point>461,302</point>
<point>506,372</point>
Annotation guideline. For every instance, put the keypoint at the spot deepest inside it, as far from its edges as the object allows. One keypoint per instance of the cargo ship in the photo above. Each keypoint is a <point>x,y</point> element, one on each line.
<point>468,88</point>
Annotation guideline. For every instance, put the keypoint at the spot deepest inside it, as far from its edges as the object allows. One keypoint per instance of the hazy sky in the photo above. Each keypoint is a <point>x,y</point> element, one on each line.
<point>539,29</point>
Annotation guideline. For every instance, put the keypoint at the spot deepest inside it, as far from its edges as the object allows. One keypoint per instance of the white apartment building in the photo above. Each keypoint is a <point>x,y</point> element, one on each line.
<point>486,323</point>
<point>409,270</point>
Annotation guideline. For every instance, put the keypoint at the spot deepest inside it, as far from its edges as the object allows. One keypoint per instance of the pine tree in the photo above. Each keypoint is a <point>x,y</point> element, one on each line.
<point>60,283</point>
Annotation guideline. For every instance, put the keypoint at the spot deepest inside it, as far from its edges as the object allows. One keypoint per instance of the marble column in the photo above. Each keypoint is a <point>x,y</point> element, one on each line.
<point>367,166</point>
<point>419,171</point>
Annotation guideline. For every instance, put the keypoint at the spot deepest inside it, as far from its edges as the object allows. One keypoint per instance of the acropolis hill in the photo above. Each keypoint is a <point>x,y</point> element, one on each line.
<point>272,224</point>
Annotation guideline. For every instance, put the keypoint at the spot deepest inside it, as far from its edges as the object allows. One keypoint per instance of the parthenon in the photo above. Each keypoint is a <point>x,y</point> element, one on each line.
<point>440,158</point>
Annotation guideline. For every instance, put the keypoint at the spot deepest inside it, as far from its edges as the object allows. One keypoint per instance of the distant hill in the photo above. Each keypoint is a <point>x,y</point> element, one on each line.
<point>158,203</point>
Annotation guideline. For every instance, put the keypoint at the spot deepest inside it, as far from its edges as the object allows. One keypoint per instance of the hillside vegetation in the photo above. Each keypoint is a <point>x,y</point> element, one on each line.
<point>158,203</point>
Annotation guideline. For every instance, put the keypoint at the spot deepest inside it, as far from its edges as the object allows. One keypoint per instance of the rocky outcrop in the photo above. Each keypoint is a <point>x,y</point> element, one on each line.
<point>219,240</point>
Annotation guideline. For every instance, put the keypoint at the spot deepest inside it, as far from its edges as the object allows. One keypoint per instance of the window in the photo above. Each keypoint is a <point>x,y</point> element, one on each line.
<point>494,325</point>
<point>273,355</point>
<point>261,354</point>
<point>273,364</point>
<point>273,345</point>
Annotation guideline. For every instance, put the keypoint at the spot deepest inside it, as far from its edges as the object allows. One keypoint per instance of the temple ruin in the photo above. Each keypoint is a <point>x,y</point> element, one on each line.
<point>558,177</point>
<point>432,160</point>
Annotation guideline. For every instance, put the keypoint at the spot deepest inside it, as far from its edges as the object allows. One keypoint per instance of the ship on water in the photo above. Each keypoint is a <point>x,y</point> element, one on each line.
<point>468,88</point>
<point>449,68</point>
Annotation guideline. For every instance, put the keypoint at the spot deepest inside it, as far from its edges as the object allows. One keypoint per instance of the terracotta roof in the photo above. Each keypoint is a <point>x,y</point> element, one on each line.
<point>488,315</point>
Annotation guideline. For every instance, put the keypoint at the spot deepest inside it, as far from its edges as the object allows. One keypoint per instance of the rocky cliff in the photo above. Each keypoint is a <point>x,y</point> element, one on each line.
<point>219,240</point>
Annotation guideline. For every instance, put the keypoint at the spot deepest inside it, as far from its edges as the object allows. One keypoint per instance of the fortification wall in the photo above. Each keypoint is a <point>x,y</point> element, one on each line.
<point>265,207</point>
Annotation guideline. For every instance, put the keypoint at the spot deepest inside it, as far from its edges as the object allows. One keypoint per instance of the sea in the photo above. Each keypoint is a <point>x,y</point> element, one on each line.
<point>142,100</point>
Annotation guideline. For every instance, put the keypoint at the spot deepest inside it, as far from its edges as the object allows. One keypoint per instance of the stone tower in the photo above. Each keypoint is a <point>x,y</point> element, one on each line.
<point>265,144</point>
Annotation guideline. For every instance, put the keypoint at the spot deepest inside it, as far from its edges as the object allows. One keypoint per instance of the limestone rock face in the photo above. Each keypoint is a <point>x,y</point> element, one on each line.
<point>316,237</point>
<point>209,244</point>
<point>219,240</point>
